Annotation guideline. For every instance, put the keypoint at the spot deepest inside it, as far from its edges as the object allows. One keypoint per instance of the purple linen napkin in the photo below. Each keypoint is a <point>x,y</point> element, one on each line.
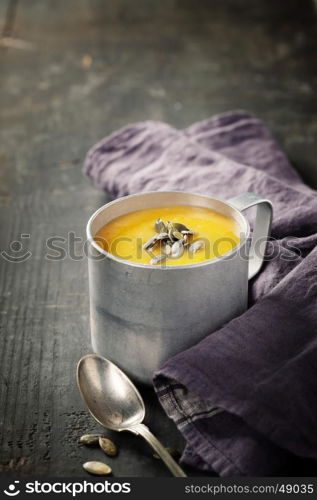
<point>245,398</point>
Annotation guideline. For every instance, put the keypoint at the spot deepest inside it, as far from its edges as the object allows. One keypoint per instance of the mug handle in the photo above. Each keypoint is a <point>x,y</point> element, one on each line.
<point>262,226</point>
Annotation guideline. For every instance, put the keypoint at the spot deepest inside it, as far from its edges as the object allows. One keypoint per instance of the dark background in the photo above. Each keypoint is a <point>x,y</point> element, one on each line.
<point>71,72</point>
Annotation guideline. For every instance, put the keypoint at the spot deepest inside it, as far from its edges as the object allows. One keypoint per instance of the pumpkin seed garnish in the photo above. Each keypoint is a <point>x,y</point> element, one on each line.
<point>108,447</point>
<point>150,243</point>
<point>168,249</point>
<point>172,451</point>
<point>180,227</point>
<point>160,226</point>
<point>162,236</point>
<point>158,258</point>
<point>171,229</point>
<point>178,235</point>
<point>197,245</point>
<point>97,468</point>
<point>173,238</point>
<point>155,239</point>
<point>90,439</point>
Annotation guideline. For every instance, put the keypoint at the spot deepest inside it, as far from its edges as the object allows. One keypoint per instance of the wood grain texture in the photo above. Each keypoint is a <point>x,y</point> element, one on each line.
<point>177,61</point>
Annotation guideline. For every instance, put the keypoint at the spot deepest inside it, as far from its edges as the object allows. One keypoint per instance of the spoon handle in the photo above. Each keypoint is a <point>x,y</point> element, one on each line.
<point>159,448</point>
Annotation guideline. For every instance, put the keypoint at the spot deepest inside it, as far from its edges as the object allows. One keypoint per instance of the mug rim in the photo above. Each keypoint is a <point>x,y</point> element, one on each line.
<point>165,268</point>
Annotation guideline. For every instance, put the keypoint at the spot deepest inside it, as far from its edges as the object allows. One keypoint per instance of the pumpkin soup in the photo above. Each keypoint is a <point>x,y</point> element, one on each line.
<point>173,236</point>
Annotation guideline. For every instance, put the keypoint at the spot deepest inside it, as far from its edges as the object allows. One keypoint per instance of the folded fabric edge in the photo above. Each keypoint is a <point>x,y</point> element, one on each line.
<point>139,126</point>
<point>222,464</point>
<point>232,116</point>
<point>122,131</point>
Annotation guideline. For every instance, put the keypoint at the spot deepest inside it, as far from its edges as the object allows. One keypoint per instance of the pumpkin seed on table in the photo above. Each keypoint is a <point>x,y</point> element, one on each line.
<point>97,468</point>
<point>90,439</point>
<point>108,447</point>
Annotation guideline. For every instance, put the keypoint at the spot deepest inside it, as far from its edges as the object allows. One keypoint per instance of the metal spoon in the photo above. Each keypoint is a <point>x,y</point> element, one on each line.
<point>115,402</point>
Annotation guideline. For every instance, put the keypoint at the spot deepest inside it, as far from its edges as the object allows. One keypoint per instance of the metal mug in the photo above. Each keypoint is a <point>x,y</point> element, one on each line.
<point>141,315</point>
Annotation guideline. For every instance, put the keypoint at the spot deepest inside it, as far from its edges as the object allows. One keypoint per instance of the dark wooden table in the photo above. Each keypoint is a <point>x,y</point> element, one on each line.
<point>72,72</point>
